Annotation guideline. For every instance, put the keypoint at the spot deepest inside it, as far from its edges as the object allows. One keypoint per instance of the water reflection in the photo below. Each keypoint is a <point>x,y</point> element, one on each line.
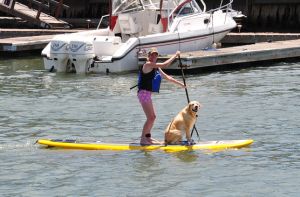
<point>186,156</point>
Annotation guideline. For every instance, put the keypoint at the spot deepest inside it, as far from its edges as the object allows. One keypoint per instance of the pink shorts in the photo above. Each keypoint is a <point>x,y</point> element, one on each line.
<point>144,96</point>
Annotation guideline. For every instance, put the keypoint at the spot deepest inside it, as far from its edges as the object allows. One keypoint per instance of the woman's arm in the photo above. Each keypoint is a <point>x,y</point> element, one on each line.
<point>148,66</point>
<point>167,62</point>
<point>171,79</point>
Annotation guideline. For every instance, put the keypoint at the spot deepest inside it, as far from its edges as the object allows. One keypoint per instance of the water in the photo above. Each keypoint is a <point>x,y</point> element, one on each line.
<point>260,103</point>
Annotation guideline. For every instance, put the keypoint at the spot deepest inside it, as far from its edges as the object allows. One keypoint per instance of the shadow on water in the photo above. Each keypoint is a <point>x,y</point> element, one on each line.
<point>20,55</point>
<point>184,156</point>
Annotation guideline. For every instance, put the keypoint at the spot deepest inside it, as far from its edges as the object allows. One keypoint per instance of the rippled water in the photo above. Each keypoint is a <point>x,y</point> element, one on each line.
<point>260,103</point>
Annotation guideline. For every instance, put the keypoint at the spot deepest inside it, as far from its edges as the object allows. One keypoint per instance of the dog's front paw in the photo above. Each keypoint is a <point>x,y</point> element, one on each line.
<point>191,142</point>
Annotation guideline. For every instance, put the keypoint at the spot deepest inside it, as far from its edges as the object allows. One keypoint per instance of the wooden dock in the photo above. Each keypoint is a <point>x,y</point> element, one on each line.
<point>21,44</point>
<point>27,40</point>
<point>238,55</point>
<point>34,16</point>
<point>252,37</point>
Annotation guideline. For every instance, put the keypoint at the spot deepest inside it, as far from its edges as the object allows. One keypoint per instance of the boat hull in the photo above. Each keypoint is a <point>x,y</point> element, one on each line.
<point>130,61</point>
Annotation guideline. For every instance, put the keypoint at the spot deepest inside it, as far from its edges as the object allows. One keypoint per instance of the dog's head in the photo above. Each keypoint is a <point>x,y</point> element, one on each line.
<point>194,106</point>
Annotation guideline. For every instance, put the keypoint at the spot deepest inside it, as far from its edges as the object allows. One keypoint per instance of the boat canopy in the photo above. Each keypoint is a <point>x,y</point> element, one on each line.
<point>178,7</point>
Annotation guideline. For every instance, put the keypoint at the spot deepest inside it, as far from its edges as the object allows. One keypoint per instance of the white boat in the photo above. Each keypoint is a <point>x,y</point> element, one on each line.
<point>134,27</point>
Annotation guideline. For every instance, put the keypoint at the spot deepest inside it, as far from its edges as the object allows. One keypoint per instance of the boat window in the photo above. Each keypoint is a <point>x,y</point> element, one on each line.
<point>104,22</point>
<point>187,9</point>
<point>123,6</point>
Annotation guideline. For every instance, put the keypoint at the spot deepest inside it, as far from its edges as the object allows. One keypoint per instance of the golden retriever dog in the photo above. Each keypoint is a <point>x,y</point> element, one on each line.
<point>182,123</point>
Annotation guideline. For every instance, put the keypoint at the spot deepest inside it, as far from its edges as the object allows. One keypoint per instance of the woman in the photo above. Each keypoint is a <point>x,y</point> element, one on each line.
<point>149,81</point>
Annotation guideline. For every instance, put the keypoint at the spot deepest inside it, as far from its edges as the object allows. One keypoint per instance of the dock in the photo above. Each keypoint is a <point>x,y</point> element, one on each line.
<point>252,38</point>
<point>35,16</point>
<point>24,43</point>
<point>238,55</point>
<point>252,47</point>
<point>22,40</point>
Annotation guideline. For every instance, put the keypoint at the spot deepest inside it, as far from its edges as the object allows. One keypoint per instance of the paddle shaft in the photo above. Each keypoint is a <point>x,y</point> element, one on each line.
<point>187,94</point>
<point>133,86</point>
<point>183,78</point>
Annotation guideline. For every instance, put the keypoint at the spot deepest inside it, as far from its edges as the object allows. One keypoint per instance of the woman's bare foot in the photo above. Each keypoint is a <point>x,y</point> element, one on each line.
<point>144,141</point>
<point>154,141</point>
<point>149,141</point>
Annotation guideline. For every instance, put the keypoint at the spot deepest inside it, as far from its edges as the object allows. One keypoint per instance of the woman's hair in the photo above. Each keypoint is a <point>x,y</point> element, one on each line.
<point>151,51</point>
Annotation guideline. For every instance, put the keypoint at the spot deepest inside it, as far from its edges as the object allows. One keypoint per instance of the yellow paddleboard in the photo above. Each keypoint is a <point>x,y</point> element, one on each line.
<point>205,145</point>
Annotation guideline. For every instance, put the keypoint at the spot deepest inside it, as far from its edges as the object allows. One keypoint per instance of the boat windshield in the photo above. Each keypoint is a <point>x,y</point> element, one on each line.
<point>178,6</point>
<point>186,7</point>
<point>122,6</point>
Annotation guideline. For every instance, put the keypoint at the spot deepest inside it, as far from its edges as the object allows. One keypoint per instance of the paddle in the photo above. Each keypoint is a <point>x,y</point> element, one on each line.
<point>187,94</point>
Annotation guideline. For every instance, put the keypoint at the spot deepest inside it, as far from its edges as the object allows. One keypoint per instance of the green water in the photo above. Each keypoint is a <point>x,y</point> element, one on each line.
<point>261,103</point>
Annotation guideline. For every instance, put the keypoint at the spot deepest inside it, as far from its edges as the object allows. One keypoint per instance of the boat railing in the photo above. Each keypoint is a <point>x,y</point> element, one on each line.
<point>226,7</point>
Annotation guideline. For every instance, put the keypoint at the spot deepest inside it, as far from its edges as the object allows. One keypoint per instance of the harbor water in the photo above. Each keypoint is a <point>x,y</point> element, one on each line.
<point>260,102</point>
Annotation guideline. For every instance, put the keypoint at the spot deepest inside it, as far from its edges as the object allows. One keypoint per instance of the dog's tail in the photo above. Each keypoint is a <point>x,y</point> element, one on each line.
<point>170,125</point>
<point>168,130</point>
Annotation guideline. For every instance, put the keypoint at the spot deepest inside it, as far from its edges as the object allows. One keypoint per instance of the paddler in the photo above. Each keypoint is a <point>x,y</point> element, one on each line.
<point>149,81</point>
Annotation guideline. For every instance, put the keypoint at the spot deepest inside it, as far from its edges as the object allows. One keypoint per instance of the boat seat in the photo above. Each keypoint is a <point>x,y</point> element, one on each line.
<point>128,24</point>
<point>155,28</point>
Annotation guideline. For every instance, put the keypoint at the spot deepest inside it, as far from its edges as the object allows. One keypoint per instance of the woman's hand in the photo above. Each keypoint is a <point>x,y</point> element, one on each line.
<point>182,85</point>
<point>178,53</point>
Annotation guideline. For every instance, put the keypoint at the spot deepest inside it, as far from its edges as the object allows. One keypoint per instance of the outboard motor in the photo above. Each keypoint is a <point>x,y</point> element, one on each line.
<point>59,53</point>
<point>81,52</point>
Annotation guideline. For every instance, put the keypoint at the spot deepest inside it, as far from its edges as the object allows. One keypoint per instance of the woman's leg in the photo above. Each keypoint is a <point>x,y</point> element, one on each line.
<point>150,115</point>
<point>147,105</point>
